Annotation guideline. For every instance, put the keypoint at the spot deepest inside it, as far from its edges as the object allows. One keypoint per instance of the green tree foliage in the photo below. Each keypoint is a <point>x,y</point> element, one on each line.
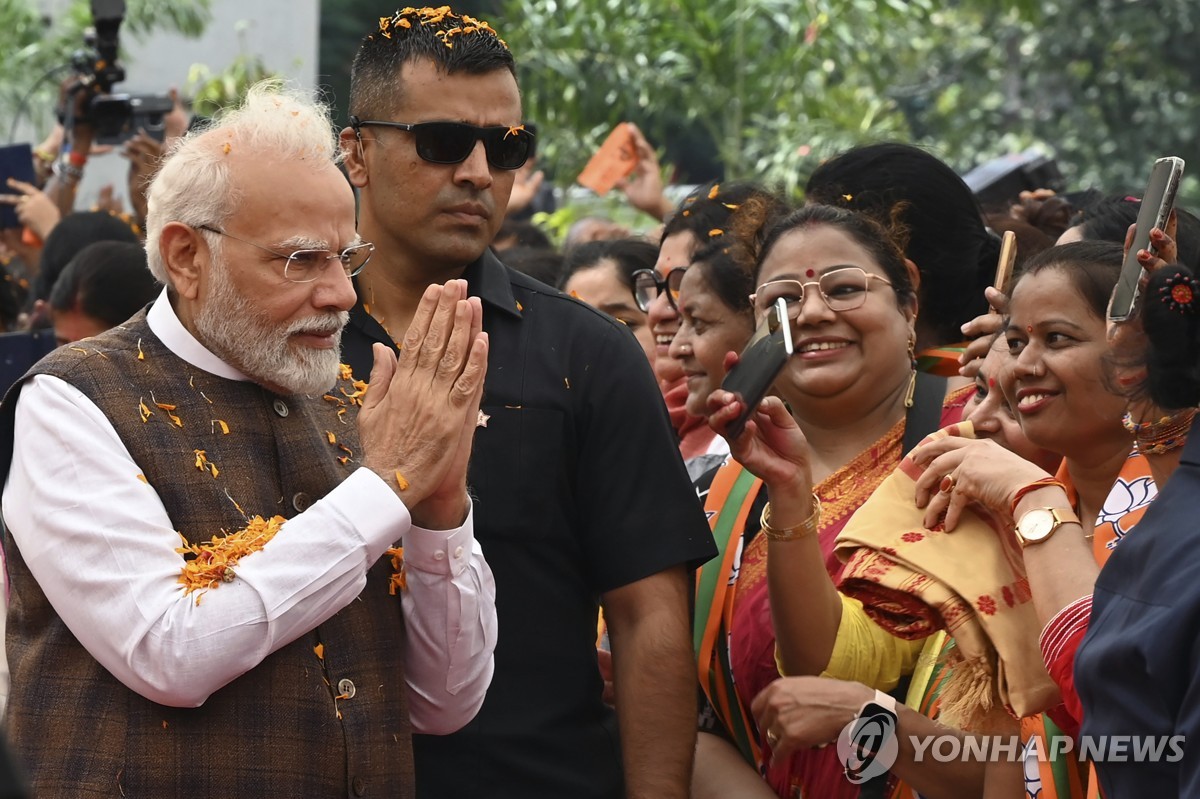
<point>35,49</point>
<point>774,84</point>
<point>778,85</point>
<point>1107,85</point>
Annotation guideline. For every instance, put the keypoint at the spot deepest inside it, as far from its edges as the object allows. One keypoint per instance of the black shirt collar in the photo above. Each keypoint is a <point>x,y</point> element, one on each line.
<point>487,279</point>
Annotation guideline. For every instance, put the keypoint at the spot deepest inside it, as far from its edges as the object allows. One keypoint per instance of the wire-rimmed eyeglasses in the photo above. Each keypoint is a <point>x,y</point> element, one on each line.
<point>305,266</point>
<point>841,289</point>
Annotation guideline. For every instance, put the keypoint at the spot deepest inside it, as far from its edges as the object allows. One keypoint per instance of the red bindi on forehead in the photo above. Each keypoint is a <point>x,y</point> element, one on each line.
<point>810,273</point>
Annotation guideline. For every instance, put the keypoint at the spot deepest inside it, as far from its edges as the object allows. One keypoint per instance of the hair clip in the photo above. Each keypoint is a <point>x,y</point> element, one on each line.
<point>1179,293</point>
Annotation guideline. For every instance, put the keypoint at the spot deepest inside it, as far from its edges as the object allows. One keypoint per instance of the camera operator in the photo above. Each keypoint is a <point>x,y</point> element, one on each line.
<point>92,114</point>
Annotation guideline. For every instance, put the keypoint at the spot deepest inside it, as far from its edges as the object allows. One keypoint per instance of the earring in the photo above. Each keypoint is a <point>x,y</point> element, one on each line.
<point>912,359</point>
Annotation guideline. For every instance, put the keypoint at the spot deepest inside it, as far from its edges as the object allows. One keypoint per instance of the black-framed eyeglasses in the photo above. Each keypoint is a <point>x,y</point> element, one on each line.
<point>305,266</point>
<point>647,285</point>
<point>507,146</point>
<point>841,289</point>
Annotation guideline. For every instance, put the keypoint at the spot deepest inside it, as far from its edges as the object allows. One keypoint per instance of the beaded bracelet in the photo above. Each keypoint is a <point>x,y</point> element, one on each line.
<point>1034,486</point>
<point>67,172</point>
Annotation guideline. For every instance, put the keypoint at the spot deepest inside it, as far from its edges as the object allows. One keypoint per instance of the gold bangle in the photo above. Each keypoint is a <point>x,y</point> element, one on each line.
<point>807,527</point>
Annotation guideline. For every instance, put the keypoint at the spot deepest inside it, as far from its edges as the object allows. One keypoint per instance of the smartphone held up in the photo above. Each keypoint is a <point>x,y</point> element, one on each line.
<point>760,363</point>
<point>1157,203</point>
<point>1008,258</point>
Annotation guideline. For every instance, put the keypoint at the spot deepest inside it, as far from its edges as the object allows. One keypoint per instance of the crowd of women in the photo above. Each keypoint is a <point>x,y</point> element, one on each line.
<point>929,514</point>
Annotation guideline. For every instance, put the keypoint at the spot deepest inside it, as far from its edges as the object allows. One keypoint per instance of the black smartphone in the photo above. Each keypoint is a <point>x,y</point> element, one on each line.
<point>1156,206</point>
<point>16,161</point>
<point>760,363</point>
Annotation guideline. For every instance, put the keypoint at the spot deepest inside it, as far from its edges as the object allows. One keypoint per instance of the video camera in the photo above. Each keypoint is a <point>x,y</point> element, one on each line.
<point>114,117</point>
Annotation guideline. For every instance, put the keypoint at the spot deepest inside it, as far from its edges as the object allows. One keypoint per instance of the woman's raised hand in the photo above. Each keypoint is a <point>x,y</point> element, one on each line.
<point>771,446</point>
<point>959,471</point>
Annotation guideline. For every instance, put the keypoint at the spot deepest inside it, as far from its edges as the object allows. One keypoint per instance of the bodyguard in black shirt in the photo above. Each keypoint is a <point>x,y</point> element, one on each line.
<point>581,496</point>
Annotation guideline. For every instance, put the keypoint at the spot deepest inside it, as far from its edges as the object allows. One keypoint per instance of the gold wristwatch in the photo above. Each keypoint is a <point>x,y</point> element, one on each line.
<point>1039,524</point>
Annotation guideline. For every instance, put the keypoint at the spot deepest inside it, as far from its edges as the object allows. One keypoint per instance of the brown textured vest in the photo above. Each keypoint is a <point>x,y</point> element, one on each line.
<point>274,731</point>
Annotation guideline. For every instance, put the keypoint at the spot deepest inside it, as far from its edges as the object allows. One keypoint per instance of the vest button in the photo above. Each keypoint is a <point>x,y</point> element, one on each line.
<point>301,501</point>
<point>359,785</point>
<point>281,407</point>
<point>346,688</point>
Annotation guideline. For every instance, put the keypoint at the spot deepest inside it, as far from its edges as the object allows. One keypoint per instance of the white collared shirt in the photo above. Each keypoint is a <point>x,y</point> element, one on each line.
<point>102,547</point>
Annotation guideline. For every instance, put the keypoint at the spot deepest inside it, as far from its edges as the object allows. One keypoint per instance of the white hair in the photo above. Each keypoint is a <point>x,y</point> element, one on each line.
<point>195,186</point>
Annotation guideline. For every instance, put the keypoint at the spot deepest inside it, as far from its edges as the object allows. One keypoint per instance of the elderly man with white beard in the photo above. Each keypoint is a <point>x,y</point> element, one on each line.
<point>205,511</point>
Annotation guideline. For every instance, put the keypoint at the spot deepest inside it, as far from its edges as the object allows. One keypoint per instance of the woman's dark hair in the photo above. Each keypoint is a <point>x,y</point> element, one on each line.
<point>947,240</point>
<point>885,246</point>
<point>709,208</point>
<point>630,255</point>
<point>1030,240</point>
<point>1109,219</point>
<point>1092,267</point>
<point>730,278</point>
<point>539,264</point>
<point>71,235</point>
<point>109,281</point>
<point>1172,338</point>
<point>523,234</point>
<point>727,260</point>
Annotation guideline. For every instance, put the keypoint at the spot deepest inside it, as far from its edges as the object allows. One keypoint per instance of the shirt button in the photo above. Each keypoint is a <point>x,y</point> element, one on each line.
<point>359,785</point>
<point>439,555</point>
<point>458,552</point>
<point>346,688</point>
<point>301,501</point>
<point>281,407</point>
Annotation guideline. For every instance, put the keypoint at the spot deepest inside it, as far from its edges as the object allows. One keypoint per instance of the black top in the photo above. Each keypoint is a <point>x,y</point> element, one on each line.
<point>579,488</point>
<point>1138,670</point>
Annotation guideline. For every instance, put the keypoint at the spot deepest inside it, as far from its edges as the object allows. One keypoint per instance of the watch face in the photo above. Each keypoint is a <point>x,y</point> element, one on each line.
<point>1036,524</point>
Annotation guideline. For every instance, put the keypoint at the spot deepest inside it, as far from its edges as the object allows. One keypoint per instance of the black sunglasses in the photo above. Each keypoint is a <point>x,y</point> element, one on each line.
<point>507,147</point>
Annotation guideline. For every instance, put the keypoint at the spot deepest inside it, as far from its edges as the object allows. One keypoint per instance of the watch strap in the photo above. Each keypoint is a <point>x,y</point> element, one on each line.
<point>1060,516</point>
<point>878,787</point>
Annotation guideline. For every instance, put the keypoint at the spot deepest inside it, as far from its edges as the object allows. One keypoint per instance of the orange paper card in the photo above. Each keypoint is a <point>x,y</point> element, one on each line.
<point>615,159</point>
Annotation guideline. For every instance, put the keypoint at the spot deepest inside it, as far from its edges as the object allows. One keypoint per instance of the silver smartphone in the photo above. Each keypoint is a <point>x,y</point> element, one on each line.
<point>1156,206</point>
<point>760,363</point>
